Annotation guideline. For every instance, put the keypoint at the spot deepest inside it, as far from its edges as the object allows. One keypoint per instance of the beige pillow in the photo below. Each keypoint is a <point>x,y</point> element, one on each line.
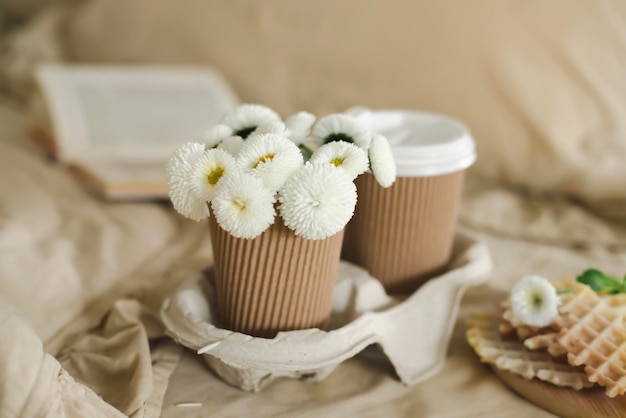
<point>540,83</point>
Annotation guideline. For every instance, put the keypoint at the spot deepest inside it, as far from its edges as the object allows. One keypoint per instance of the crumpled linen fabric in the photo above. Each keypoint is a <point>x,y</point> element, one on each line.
<point>33,382</point>
<point>126,360</point>
<point>66,257</point>
<point>120,374</point>
<point>537,217</point>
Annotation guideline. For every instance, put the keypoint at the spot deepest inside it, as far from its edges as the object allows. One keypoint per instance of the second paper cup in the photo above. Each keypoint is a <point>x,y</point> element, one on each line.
<point>403,235</point>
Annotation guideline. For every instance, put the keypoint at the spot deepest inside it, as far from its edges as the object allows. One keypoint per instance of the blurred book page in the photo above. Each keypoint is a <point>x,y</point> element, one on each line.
<point>139,112</point>
<point>116,126</point>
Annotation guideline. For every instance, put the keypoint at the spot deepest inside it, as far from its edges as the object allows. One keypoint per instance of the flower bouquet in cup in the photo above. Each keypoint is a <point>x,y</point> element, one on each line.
<point>277,195</point>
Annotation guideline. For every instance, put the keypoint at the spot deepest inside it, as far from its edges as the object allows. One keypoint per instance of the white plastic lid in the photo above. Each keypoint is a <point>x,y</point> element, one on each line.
<point>423,144</point>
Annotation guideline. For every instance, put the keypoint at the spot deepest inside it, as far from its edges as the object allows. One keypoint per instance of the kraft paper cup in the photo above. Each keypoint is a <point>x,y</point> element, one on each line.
<point>275,282</point>
<point>403,235</point>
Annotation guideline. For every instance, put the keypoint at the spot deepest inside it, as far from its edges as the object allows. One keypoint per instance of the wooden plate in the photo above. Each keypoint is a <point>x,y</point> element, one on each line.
<point>565,402</point>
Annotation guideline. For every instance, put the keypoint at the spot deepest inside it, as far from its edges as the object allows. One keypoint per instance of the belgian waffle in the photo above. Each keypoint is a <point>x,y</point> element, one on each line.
<point>509,353</point>
<point>549,340</point>
<point>594,335</point>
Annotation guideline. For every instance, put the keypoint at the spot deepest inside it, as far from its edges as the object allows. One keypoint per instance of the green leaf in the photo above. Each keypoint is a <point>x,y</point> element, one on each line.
<point>600,282</point>
<point>595,279</point>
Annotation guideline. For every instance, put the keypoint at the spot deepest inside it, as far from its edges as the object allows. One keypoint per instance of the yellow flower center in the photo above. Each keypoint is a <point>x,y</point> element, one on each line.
<point>337,161</point>
<point>240,204</point>
<point>265,158</point>
<point>537,299</point>
<point>214,176</point>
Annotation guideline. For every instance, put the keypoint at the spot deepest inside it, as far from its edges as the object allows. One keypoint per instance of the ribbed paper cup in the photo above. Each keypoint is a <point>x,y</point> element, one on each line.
<point>404,234</point>
<point>275,282</point>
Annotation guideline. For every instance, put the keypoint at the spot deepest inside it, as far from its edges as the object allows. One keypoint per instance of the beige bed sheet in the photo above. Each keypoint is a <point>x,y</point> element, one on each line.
<point>66,258</point>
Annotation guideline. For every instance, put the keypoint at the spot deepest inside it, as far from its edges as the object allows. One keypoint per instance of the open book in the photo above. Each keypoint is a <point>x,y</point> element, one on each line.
<point>116,126</point>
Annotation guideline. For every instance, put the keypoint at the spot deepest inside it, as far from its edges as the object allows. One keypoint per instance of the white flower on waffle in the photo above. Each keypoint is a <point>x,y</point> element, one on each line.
<point>341,127</point>
<point>208,170</point>
<point>382,164</point>
<point>534,301</point>
<point>344,155</point>
<point>246,118</point>
<point>243,206</point>
<point>317,201</point>
<point>180,181</point>
<point>272,158</point>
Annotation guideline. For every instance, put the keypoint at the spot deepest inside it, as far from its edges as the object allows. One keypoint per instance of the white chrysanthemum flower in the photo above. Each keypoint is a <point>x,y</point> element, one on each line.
<point>272,158</point>
<point>341,127</point>
<point>215,135</point>
<point>347,156</point>
<point>231,144</point>
<point>317,201</point>
<point>180,181</point>
<point>534,301</point>
<point>244,119</point>
<point>299,126</point>
<point>276,127</point>
<point>382,163</point>
<point>209,169</point>
<point>243,206</point>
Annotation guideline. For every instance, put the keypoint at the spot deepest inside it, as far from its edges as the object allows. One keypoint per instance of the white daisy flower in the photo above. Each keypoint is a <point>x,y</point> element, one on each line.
<point>215,135</point>
<point>341,127</point>
<point>382,164</point>
<point>299,126</point>
<point>347,156</point>
<point>317,201</point>
<point>244,119</point>
<point>272,158</point>
<point>534,301</point>
<point>209,169</point>
<point>276,127</point>
<point>231,144</point>
<point>180,181</point>
<point>243,206</point>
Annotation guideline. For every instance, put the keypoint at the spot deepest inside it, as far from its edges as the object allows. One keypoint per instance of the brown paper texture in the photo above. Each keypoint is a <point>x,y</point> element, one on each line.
<point>403,235</point>
<point>275,282</point>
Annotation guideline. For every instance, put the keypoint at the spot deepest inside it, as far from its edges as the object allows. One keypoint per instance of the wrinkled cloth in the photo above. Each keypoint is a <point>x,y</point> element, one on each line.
<point>33,383</point>
<point>120,373</point>
<point>117,361</point>
<point>66,257</point>
<point>554,219</point>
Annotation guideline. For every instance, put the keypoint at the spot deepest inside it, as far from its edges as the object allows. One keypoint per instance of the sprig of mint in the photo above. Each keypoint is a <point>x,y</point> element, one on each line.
<point>600,282</point>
